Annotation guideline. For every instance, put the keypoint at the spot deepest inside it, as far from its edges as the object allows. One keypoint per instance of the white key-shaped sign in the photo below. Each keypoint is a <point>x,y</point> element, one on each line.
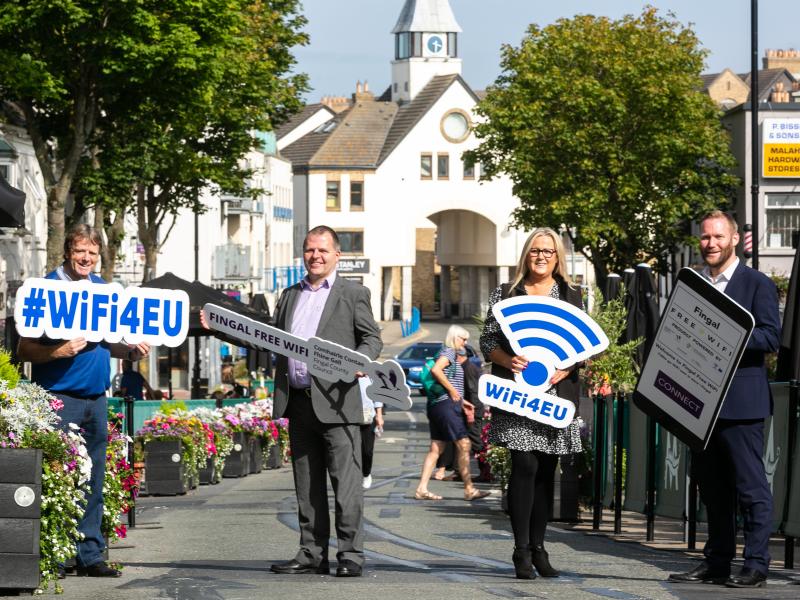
<point>326,360</point>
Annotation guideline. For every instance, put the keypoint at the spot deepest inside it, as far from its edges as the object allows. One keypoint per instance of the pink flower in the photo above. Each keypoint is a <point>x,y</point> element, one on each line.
<point>56,404</point>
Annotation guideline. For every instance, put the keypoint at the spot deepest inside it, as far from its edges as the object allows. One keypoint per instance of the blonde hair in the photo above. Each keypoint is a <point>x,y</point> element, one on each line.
<point>523,266</point>
<point>453,332</point>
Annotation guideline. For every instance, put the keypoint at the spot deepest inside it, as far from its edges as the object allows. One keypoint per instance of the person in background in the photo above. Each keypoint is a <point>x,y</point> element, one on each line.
<point>132,383</point>
<point>446,416</point>
<point>534,447</point>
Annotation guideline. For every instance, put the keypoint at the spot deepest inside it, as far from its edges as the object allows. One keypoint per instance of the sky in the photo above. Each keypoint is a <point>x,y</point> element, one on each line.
<point>351,40</point>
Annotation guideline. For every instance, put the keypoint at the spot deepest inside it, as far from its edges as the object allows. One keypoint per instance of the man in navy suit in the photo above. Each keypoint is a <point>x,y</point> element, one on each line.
<point>731,465</point>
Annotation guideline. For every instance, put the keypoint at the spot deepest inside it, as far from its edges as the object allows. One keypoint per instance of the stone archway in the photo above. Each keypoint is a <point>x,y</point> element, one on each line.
<point>467,253</point>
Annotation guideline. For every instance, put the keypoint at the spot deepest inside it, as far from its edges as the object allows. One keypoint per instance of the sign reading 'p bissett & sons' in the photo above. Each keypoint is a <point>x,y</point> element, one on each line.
<point>781,148</point>
<point>700,340</point>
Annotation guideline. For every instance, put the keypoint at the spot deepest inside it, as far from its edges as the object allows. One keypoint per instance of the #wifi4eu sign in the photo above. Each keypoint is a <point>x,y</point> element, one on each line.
<point>551,334</point>
<point>64,310</point>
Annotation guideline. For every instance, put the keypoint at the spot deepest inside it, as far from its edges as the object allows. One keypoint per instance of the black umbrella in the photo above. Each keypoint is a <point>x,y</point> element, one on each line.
<point>12,205</point>
<point>643,313</point>
<point>199,295</point>
<point>789,352</point>
<point>259,359</point>
<point>613,287</point>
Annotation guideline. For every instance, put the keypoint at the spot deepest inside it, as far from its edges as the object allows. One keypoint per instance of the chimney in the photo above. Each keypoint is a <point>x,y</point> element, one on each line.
<point>336,103</point>
<point>362,93</point>
<point>783,59</point>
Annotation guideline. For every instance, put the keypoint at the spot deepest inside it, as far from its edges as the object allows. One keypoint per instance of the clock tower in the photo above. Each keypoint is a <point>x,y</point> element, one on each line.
<point>425,45</point>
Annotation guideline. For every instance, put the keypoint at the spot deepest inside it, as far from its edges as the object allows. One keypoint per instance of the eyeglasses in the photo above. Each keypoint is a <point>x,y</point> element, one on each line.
<point>546,252</point>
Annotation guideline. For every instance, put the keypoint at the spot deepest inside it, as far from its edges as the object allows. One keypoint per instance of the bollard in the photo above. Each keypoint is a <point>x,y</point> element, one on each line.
<point>650,508</point>
<point>599,459</point>
<point>620,423</point>
<point>788,542</point>
<point>130,431</point>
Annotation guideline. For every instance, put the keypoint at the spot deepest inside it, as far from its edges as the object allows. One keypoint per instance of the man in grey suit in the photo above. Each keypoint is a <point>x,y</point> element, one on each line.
<point>324,416</point>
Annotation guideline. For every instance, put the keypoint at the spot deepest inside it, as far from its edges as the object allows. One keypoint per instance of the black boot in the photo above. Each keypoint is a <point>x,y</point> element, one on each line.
<point>522,563</point>
<point>541,561</point>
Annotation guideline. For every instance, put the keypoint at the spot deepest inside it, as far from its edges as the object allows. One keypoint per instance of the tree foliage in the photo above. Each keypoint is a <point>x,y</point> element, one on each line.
<point>602,125</point>
<point>141,104</point>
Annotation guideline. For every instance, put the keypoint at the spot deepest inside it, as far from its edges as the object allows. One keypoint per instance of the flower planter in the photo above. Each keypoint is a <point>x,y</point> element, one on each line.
<point>274,457</point>
<point>237,464</point>
<point>20,511</point>
<point>207,474</point>
<point>256,454</point>
<point>164,471</point>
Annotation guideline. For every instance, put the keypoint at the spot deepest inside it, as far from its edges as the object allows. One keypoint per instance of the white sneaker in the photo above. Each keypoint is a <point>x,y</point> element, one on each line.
<point>367,483</point>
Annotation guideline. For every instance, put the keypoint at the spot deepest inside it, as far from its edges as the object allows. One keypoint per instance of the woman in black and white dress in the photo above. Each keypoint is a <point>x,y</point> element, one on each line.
<point>534,447</point>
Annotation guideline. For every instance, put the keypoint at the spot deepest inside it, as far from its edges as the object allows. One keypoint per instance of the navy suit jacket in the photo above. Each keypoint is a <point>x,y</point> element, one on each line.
<point>749,396</point>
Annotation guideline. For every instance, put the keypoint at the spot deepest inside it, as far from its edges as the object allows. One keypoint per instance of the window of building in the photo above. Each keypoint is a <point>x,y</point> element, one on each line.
<point>426,166</point>
<point>783,219</point>
<point>452,45</point>
<point>332,199</point>
<point>5,171</point>
<point>469,170</point>
<point>442,166</point>
<point>352,242</point>
<point>356,195</point>
<point>407,44</point>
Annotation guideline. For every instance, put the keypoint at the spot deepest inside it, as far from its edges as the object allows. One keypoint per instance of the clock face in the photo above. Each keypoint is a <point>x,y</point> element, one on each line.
<point>435,44</point>
<point>455,126</point>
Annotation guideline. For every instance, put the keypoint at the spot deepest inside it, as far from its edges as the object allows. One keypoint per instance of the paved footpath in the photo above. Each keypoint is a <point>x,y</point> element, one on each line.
<point>218,542</point>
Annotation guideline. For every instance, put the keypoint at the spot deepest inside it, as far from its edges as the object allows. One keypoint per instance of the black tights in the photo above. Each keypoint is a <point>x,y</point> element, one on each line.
<point>529,495</point>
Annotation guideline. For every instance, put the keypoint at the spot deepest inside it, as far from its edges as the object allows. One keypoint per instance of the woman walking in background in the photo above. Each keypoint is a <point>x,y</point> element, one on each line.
<point>446,416</point>
<point>534,447</point>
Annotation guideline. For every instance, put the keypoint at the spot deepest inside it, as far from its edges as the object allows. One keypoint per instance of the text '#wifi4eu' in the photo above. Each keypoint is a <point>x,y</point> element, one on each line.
<point>552,335</point>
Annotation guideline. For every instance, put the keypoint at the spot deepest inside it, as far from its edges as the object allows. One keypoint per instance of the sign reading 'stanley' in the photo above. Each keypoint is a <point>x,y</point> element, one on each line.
<point>353,265</point>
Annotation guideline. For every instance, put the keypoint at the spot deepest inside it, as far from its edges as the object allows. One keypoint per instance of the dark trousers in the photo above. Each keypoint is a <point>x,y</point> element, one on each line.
<point>730,467</point>
<point>529,488</point>
<point>367,447</point>
<point>322,450</point>
<point>92,417</point>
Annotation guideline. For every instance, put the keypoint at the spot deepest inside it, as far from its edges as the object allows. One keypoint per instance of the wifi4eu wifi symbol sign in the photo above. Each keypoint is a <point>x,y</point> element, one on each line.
<point>551,334</point>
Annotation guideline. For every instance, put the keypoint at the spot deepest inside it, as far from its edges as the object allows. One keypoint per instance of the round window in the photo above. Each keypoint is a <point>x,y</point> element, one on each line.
<point>455,126</point>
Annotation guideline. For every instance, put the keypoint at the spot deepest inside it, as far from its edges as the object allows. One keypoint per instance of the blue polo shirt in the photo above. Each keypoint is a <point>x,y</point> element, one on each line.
<point>85,375</point>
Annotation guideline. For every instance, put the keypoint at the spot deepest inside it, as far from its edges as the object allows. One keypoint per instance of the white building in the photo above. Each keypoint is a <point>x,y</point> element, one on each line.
<point>386,171</point>
<point>23,251</point>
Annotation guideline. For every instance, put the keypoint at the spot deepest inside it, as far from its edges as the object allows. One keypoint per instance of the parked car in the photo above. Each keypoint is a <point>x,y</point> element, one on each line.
<point>412,360</point>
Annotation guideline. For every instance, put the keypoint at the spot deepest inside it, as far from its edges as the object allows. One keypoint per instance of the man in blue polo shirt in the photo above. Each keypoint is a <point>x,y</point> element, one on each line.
<point>78,372</point>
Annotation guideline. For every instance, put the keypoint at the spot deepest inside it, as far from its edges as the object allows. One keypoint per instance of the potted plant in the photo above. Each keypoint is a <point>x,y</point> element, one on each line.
<point>175,446</point>
<point>218,447</point>
<point>28,429</point>
<point>238,462</point>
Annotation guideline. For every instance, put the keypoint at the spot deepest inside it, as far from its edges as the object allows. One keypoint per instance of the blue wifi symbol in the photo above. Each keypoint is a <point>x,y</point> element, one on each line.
<point>524,320</point>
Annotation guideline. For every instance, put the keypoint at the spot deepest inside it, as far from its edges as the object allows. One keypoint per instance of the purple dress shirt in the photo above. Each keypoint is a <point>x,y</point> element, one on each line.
<point>305,321</point>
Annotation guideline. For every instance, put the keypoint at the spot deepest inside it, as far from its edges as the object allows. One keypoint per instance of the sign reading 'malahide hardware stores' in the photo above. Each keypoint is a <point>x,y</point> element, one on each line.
<point>700,340</point>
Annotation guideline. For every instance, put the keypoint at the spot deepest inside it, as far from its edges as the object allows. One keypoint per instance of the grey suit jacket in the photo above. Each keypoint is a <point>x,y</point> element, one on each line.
<point>346,320</point>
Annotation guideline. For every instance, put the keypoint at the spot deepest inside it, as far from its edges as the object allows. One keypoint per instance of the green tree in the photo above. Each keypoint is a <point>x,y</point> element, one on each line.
<point>603,127</point>
<point>144,98</point>
<point>188,126</point>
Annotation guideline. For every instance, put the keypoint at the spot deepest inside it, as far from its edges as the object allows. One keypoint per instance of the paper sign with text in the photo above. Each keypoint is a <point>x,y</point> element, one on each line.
<point>326,360</point>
